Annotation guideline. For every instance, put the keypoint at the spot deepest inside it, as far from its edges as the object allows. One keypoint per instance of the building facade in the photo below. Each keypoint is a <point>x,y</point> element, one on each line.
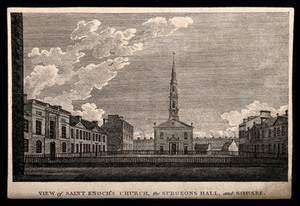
<point>173,136</point>
<point>86,136</point>
<point>119,132</point>
<point>270,135</point>
<point>143,144</point>
<point>51,130</point>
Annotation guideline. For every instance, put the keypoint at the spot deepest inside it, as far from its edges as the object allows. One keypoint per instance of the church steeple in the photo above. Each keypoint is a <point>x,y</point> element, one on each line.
<point>173,109</point>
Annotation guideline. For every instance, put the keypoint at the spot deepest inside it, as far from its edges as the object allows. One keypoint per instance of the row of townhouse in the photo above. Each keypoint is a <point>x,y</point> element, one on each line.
<point>49,129</point>
<point>264,133</point>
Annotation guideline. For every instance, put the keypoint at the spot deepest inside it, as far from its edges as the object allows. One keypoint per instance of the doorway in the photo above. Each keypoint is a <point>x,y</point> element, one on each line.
<point>52,151</point>
<point>173,148</point>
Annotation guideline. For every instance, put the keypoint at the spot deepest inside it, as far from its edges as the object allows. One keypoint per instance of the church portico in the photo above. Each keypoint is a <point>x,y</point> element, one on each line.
<point>173,136</point>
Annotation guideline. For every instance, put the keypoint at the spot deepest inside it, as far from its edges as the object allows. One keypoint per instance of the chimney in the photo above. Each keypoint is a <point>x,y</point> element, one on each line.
<point>95,122</point>
<point>151,137</point>
<point>277,114</point>
<point>191,124</point>
<point>104,120</point>
<point>78,118</point>
<point>286,112</point>
<point>144,137</point>
<point>244,120</point>
<point>265,113</point>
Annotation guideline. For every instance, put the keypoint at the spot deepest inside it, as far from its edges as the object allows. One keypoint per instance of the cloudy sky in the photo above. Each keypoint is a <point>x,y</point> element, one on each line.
<point>229,66</point>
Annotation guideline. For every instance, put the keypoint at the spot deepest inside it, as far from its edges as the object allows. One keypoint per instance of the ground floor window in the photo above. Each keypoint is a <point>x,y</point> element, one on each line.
<point>26,146</point>
<point>64,147</point>
<point>38,146</point>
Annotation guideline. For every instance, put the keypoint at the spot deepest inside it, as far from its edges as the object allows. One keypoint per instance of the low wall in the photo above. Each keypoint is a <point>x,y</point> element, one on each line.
<point>155,161</point>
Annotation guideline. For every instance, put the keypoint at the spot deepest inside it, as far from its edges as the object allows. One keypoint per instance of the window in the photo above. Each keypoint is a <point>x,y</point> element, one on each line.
<point>89,136</point>
<point>80,134</point>
<point>283,148</point>
<point>93,148</point>
<point>104,148</point>
<point>38,147</point>
<point>52,129</point>
<point>72,133</point>
<point>39,113</point>
<point>282,130</point>
<point>161,135</point>
<point>26,146</point>
<point>270,133</point>
<point>278,131</point>
<point>173,104</point>
<point>64,147</point>
<point>83,134</point>
<point>185,135</point>
<point>185,149</point>
<point>77,148</point>
<point>262,133</point>
<point>93,136</point>
<point>161,149</point>
<point>63,132</point>
<point>72,148</point>
<point>263,148</point>
<point>269,148</point>
<point>77,133</point>
<point>26,125</point>
<point>274,131</point>
<point>38,127</point>
<point>104,139</point>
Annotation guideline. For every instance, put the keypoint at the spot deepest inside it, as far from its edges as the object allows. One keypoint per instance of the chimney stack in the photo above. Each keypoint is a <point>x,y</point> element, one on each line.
<point>286,112</point>
<point>79,118</point>
<point>104,120</point>
<point>95,122</point>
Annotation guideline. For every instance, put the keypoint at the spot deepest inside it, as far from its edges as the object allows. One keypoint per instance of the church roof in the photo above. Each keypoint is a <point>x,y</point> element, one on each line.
<point>174,123</point>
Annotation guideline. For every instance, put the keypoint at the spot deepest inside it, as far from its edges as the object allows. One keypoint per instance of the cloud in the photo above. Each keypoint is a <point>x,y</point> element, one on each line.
<point>41,77</point>
<point>83,29</point>
<point>160,26</point>
<point>90,112</point>
<point>96,76</point>
<point>110,42</point>
<point>43,61</point>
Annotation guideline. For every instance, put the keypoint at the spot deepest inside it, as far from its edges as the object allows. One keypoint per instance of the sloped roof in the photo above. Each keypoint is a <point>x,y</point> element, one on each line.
<point>201,147</point>
<point>174,123</point>
<point>87,124</point>
<point>271,121</point>
<point>226,145</point>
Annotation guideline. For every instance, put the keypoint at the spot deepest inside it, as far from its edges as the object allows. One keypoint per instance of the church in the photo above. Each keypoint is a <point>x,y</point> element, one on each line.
<point>173,136</point>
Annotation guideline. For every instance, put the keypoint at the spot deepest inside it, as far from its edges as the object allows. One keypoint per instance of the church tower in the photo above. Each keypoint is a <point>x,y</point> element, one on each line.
<point>173,109</point>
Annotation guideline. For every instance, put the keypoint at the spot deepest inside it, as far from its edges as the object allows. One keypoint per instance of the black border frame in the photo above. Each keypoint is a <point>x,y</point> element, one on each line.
<point>139,3</point>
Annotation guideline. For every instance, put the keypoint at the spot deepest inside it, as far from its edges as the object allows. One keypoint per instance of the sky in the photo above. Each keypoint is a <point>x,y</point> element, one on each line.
<point>229,66</point>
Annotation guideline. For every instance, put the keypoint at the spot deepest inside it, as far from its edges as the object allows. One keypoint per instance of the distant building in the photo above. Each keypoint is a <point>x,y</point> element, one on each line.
<point>173,136</point>
<point>202,148</point>
<point>270,135</point>
<point>86,136</point>
<point>141,144</point>
<point>230,146</point>
<point>216,143</point>
<point>120,133</point>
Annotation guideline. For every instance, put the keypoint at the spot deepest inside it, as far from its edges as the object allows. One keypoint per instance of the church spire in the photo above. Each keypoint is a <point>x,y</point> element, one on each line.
<point>173,109</point>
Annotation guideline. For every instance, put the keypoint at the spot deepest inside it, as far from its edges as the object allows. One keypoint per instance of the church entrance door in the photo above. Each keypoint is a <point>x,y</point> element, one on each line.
<point>173,148</point>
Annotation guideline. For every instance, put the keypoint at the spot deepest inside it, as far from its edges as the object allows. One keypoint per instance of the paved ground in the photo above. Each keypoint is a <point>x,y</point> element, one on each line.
<point>156,174</point>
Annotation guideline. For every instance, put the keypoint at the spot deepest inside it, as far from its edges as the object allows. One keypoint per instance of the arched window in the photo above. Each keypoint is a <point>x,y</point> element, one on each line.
<point>38,147</point>
<point>161,135</point>
<point>274,131</point>
<point>185,135</point>
<point>173,105</point>
<point>64,147</point>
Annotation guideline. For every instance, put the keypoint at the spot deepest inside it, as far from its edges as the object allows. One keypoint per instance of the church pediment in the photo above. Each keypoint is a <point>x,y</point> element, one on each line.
<point>173,139</point>
<point>174,124</point>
